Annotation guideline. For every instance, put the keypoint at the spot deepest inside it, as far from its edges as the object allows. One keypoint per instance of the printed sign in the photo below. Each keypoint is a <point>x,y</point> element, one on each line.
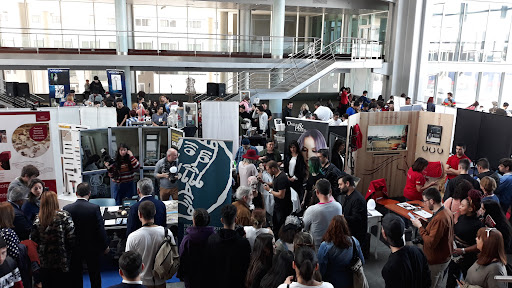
<point>204,174</point>
<point>311,135</point>
<point>25,139</point>
<point>116,84</point>
<point>176,134</point>
<point>58,80</point>
<point>434,133</point>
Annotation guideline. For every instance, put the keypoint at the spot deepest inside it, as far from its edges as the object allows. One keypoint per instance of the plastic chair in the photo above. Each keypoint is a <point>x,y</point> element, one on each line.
<point>103,202</point>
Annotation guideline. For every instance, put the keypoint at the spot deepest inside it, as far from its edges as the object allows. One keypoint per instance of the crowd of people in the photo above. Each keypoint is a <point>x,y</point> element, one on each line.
<point>296,219</point>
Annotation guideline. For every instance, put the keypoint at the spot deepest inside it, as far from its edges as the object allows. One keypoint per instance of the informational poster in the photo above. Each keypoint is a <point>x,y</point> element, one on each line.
<point>312,135</point>
<point>204,174</point>
<point>176,134</point>
<point>116,83</point>
<point>387,138</point>
<point>58,79</point>
<point>434,133</point>
<point>25,139</point>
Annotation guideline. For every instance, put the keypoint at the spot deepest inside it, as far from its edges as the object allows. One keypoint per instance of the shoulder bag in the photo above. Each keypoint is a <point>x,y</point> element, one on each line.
<point>356,266</point>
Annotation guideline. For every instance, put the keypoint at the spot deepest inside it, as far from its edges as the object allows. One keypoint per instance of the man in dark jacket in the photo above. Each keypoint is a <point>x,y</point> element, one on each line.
<point>130,267</point>
<point>145,191</point>
<point>194,251</point>
<point>482,166</point>
<point>21,224</point>
<point>407,266</point>
<point>463,175</point>
<point>331,172</point>
<point>229,253</point>
<point>96,87</point>
<point>354,209</point>
<point>90,235</point>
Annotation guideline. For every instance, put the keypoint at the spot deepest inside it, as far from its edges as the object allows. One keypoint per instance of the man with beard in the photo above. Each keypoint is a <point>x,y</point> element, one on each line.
<point>168,185</point>
<point>437,236</point>
<point>354,209</point>
<point>282,195</point>
<point>243,202</point>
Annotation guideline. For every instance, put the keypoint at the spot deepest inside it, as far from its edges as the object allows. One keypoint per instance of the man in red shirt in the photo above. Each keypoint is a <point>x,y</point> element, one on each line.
<point>452,165</point>
<point>342,107</point>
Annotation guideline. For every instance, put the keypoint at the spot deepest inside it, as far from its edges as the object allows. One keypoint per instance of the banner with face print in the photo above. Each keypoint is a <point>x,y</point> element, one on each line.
<point>204,178</point>
<point>312,135</point>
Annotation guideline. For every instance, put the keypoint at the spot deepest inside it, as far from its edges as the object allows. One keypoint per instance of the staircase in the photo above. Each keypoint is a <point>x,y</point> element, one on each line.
<point>301,69</point>
<point>18,102</point>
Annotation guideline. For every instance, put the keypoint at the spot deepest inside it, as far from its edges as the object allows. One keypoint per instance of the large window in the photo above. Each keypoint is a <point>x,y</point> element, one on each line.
<point>465,92</point>
<point>507,89</point>
<point>489,89</point>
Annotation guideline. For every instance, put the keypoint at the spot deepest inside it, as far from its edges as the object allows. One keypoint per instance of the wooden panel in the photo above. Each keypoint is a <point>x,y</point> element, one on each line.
<point>390,165</point>
<point>441,152</point>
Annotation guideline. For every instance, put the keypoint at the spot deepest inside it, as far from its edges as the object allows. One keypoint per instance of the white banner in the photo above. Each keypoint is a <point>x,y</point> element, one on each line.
<point>220,121</point>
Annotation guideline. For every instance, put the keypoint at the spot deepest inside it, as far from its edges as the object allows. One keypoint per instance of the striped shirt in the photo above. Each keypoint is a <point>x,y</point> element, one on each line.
<point>125,174</point>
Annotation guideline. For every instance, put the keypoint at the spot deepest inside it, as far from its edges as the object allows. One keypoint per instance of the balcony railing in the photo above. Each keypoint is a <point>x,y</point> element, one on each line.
<point>141,40</point>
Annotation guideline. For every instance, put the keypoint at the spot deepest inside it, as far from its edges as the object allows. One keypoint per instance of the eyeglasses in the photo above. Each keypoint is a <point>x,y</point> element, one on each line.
<point>489,230</point>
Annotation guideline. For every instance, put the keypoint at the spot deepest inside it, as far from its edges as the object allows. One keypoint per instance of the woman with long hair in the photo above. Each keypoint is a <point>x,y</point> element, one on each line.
<point>465,232</point>
<point>292,226</point>
<point>335,253</point>
<point>54,232</point>
<point>281,268</point>
<point>304,112</point>
<point>337,154</point>
<point>305,263</point>
<point>416,182</point>
<point>453,203</point>
<point>490,263</point>
<point>310,142</point>
<point>295,168</point>
<point>31,207</point>
<point>431,107</point>
<point>6,232</point>
<point>495,218</point>
<point>261,260</point>
<point>258,218</point>
<point>122,173</point>
<point>315,174</point>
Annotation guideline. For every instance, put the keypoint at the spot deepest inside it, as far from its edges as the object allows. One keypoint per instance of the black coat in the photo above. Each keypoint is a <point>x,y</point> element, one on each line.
<point>356,214</point>
<point>21,224</point>
<point>89,230</point>
<point>134,223</point>
<point>96,88</point>
<point>229,256</point>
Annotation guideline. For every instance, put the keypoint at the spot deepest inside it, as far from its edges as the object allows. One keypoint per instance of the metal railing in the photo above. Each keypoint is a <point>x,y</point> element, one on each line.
<point>142,40</point>
<point>300,66</point>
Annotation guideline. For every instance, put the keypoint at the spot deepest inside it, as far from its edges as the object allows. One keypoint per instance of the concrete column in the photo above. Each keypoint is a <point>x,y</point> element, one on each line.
<point>278,10</point>
<point>130,24</point>
<point>245,29</point>
<point>121,27</point>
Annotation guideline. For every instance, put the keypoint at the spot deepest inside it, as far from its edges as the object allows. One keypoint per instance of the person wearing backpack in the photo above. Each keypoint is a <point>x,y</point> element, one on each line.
<point>147,241</point>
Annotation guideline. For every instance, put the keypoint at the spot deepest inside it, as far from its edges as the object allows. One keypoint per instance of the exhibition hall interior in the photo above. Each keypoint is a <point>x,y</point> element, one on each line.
<point>255,143</point>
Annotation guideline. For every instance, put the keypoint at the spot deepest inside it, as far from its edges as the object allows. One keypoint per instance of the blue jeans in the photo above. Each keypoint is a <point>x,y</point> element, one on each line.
<point>119,191</point>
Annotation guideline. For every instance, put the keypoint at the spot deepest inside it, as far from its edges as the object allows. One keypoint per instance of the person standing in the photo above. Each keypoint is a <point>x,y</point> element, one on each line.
<point>146,241</point>
<point>452,164</point>
<point>247,167</point>
<point>145,192</point>
<point>91,237</point>
<point>282,195</point>
<point>482,166</point>
<point>54,233</point>
<point>437,237</point>
<point>28,173</point>
<point>96,87</point>
<point>31,206</point>
<point>416,182</point>
<point>243,202</point>
<point>228,253</point>
<point>70,99</point>
<point>122,112</point>
<point>305,265</point>
<point>330,172</point>
<point>270,153</point>
<point>318,216</point>
<point>354,209</point>
<point>87,89</point>
<point>287,111</point>
<point>130,267</point>
<point>344,101</point>
<point>122,173</point>
<point>295,167</point>
<point>193,251</point>
<point>168,183</point>
<point>504,191</point>
<point>246,145</point>
<point>10,275</point>
<point>160,117</point>
<point>407,266</point>
<point>262,118</point>
<point>323,113</point>
<point>463,170</point>
<point>21,223</point>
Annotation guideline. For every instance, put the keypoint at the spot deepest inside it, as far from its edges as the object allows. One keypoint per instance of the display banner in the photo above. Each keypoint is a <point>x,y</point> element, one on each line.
<point>312,135</point>
<point>58,78</point>
<point>204,178</point>
<point>116,84</point>
<point>25,139</point>
<point>176,134</point>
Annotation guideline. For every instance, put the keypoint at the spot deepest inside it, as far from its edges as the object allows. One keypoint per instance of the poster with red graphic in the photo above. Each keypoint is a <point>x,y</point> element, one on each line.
<point>25,139</point>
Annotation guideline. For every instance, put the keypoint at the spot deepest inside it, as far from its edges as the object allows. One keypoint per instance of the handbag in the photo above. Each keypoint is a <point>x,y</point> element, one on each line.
<point>356,266</point>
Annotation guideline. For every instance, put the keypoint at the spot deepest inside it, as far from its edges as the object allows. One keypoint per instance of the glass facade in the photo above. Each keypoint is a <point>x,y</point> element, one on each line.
<point>465,32</point>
